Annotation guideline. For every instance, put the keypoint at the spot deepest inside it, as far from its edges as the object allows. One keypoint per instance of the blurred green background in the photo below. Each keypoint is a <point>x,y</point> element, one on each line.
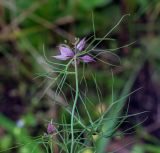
<point>28,25</point>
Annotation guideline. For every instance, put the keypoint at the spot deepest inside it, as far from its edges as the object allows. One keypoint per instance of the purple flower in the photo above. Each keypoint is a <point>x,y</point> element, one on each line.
<point>67,53</point>
<point>50,128</point>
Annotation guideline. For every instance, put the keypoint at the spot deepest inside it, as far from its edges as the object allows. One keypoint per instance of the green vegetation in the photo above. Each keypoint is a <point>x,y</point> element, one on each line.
<point>31,85</point>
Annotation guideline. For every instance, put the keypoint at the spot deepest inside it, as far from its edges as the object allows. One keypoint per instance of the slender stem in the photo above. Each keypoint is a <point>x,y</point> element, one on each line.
<point>74,105</point>
<point>51,144</point>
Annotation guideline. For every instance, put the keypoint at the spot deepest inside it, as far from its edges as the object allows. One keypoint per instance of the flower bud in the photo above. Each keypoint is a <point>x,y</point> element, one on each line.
<point>50,128</point>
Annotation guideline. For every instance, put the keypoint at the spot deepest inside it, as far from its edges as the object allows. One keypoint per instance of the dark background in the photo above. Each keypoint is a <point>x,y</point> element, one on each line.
<point>28,25</point>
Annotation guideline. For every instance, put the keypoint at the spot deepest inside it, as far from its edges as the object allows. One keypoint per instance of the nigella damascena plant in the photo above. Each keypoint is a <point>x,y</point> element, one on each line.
<point>67,53</point>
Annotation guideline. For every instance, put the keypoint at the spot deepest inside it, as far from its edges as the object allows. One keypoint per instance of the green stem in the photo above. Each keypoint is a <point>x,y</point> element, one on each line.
<point>51,144</point>
<point>74,105</point>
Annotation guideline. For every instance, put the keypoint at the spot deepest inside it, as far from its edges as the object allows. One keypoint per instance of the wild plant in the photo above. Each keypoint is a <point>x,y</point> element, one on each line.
<point>78,130</point>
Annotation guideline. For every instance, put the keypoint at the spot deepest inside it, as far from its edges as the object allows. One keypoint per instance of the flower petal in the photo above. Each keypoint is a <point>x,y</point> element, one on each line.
<point>81,44</point>
<point>66,51</point>
<point>61,57</point>
<point>87,59</point>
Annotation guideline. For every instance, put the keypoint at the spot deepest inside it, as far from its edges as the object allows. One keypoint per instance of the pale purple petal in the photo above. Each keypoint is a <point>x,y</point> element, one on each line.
<point>81,44</point>
<point>87,59</point>
<point>66,51</point>
<point>61,57</point>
